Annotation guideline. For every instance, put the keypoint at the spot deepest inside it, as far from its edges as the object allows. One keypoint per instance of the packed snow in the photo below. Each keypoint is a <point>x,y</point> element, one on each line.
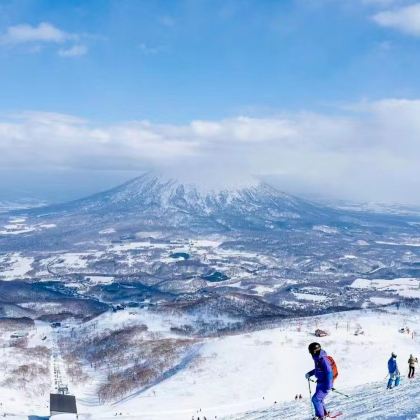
<point>369,402</point>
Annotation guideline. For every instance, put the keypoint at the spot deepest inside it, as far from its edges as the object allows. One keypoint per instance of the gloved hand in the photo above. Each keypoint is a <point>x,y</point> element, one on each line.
<point>307,375</point>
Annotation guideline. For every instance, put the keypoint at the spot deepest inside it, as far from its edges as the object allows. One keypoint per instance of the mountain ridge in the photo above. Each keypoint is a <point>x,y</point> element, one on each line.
<point>154,204</point>
<point>151,191</point>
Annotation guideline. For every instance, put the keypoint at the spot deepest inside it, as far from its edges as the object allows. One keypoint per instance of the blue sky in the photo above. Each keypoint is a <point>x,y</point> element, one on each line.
<point>157,68</point>
<point>173,61</point>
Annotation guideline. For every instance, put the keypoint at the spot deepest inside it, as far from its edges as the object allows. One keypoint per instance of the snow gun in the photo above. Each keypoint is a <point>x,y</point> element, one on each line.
<point>333,389</point>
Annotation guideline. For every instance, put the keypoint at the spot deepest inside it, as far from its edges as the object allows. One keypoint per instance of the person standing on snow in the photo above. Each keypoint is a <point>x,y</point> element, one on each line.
<point>412,366</point>
<point>324,375</point>
<point>394,373</point>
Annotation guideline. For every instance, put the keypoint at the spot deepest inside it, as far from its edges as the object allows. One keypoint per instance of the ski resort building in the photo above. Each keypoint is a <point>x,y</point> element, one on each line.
<point>63,404</point>
<point>18,335</point>
<point>320,333</point>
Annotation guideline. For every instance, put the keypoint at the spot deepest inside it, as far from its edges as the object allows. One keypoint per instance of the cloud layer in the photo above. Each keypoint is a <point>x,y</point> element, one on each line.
<point>367,150</point>
<point>405,19</point>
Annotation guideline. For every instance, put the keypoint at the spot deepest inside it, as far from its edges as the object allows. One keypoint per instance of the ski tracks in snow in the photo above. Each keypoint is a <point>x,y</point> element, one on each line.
<point>367,402</point>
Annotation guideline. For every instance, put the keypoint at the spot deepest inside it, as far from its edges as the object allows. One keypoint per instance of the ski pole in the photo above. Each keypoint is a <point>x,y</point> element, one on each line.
<point>332,389</point>
<point>310,396</point>
<point>341,393</point>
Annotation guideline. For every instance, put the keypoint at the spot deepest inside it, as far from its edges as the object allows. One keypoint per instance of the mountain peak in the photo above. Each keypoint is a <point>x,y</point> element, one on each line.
<point>153,192</point>
<point>153,179</point>
<point>165,189</point>
<point>153,200</point>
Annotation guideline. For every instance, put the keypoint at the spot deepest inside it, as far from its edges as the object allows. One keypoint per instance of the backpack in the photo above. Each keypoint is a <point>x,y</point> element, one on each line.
<point>333,367</point>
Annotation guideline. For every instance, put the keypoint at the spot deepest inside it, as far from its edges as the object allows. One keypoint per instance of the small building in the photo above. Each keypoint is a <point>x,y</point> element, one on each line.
<point>18,335</point>
<point>62,404</point>
<point>320,333</point>
<point>359,331</point>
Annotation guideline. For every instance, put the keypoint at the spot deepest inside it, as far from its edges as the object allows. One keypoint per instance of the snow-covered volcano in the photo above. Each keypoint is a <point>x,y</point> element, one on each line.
<point>166,203</point>
<point>151,192</point>
<point>153,203</point>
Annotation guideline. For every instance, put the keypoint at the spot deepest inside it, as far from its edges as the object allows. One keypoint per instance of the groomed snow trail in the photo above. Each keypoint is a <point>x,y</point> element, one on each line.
<point>368,402</point>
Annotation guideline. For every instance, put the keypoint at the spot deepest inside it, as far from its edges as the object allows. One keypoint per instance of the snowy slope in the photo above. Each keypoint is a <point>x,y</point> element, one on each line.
<point>242,376</point>
<point>233,374</point>
<point>367,402</point>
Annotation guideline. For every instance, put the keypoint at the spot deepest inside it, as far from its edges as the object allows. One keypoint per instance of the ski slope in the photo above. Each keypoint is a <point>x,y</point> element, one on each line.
<point>256,375</point>
<point>367,402</point>
<point>234,374</point>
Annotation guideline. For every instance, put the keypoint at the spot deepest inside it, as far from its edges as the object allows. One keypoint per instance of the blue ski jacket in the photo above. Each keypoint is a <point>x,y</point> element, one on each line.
<point>323,371</point>
<point>392,365</point>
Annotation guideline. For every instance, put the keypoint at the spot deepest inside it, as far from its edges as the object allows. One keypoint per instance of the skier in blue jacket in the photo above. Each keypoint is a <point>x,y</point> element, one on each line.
<point>394,373</point>
<point>324,375</point>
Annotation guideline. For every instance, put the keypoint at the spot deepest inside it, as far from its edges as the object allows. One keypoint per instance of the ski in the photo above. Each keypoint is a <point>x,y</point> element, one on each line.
<point>330,416</point>
<point>334,415</point>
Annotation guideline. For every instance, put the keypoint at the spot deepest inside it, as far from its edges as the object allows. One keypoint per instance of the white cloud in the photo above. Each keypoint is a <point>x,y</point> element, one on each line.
<point>37,139</point>
<point>73,51</point>
<point>34,39</point>
<point>244,129</point>
<point>380,2</point>
<point>151,50</point>
<point>370,150</point>
<point>405,19</point>
<point>43,33</point>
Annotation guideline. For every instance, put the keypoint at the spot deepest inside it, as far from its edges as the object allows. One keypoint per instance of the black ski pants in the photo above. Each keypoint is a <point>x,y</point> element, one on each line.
<point>411,372</point>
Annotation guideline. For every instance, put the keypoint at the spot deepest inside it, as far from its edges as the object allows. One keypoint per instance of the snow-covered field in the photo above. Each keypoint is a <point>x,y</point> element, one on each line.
<point>259,372</point>
<point>309,296</point>
<point>406,287</point>
<point>16,266</point>
<point>18,226</point>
